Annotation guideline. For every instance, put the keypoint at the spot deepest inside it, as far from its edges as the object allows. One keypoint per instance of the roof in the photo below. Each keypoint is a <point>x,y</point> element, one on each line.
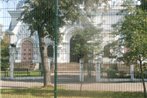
<point>14,16</point>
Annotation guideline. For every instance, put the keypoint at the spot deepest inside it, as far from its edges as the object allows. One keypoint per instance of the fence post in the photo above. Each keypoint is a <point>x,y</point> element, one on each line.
<point>81,71</point>
<point>132,71</point>
<point>98,71</point>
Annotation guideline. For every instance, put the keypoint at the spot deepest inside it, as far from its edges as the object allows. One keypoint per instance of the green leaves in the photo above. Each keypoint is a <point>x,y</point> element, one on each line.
<point>41,14</point>
<point>4,53</point>
<point>86,41</point>
<point>134,34</point>
<point>143,4</point>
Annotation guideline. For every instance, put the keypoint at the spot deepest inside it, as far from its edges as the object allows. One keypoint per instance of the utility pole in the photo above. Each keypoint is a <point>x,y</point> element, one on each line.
<point>56,43</point>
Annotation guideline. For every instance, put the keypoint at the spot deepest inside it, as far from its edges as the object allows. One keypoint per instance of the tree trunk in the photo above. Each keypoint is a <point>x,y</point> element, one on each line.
<point>46,66</point>
<point>142,77</point>
<point>46,72</point>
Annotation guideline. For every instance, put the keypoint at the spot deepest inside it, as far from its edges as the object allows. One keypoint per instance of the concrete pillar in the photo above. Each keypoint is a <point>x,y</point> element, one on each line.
<point>98,71</point>
<point>81,71</point>
<point>12,60</point>
<point>132,71</point>
<point>98,67</point>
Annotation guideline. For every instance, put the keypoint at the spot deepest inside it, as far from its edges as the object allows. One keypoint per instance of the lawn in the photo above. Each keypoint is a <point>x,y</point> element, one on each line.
<point>21,73</point>
<point>63,93</point>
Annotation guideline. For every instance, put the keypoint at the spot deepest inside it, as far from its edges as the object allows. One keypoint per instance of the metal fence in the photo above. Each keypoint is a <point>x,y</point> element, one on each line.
<point>86,61</point>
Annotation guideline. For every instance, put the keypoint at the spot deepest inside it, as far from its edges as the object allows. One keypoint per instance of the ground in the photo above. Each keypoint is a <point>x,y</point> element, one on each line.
<point>128,86</point>
<point>35,89</point>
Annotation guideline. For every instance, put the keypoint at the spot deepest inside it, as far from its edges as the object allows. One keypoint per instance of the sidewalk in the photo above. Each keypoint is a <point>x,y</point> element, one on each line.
<point>19,84</point>
<point>116,87</point>
<point>123,87</point>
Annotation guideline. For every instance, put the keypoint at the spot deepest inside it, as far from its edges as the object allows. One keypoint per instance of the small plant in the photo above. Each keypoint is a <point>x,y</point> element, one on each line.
<point>112,71</point>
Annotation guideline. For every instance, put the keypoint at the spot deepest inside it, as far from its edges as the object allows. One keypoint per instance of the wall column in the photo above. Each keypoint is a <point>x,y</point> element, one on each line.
<point>12,61</point>
<point>98,67</point>
<point>98,71</point>
<point>132,71</point>
<point>81,71</point>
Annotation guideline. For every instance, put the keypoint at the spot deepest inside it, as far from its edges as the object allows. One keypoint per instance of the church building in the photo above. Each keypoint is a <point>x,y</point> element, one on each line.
<point>27,47</point>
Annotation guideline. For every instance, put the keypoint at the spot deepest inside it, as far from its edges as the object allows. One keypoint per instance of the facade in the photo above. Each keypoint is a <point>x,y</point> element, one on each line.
<point>27,47</point>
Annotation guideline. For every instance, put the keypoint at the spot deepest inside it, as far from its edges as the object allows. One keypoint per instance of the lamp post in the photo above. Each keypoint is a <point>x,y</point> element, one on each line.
<point>12,54</point>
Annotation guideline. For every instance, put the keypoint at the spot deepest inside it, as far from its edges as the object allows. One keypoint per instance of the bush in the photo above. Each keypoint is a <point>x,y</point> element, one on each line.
<point>112,71</point>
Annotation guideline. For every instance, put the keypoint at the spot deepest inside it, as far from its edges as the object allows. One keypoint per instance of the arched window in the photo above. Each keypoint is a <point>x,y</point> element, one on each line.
<point>50,51</point>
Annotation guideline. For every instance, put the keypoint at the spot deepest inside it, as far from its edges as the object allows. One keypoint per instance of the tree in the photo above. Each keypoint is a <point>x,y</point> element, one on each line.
<point>5,53</point>
<point>132,30</point>
<point>86,45</point>
<point>40,16</point>
<point>143,4</point>
<point>86,42</point>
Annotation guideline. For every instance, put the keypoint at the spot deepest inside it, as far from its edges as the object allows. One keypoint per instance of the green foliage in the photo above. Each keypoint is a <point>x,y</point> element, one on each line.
<point>64,93</point>
<point>78,44</point>
<point>137,71</point>
<point>114,46</point>
<point>143,4</point>
<point>86,41</point>
<point>40,15</point>
<point>86,45</point>
<point>133,35</point>
<point>112,71</point>
<point>4,54</point>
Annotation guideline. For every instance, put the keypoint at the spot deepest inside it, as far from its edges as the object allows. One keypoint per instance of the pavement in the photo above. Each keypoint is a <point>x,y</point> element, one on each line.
<point>124,87</point>
<point>19,84</point>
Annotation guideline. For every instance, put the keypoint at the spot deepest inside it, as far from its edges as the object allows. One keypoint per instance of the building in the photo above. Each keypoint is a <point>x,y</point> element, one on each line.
<point>27,47</point>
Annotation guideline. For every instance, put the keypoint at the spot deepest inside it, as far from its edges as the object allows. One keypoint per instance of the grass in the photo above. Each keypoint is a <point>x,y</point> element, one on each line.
<point>63,93</point>
<point>21,74</point>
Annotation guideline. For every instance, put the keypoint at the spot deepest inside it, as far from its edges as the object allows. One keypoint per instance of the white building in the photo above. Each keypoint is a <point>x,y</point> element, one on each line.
<point>27,47</point>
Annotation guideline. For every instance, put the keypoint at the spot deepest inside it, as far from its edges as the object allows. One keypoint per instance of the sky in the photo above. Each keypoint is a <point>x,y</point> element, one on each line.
<point>5,18</point>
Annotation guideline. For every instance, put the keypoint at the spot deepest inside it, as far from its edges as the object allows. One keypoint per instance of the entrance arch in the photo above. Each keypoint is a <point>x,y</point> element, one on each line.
<point>68,34</point>
<point>50,51</point>
<point>76,48</point>
<point>27,51</point>
<point>73,56</point>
